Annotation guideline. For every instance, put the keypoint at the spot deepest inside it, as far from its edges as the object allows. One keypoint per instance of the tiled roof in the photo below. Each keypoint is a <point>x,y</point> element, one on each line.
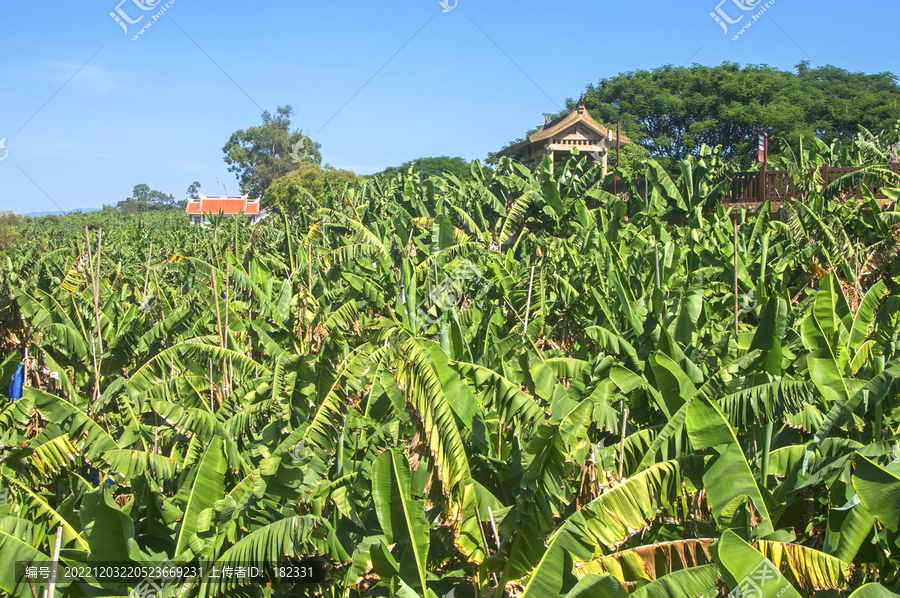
<point>548,131</point>
<point>230,204</point>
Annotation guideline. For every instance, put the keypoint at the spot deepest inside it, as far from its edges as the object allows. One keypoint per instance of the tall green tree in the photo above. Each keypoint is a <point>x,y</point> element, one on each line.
<point>673,111</point>
<point>305,188</point>
<point>9,234</point>
<point>261,155</point>
<point>194,190</point>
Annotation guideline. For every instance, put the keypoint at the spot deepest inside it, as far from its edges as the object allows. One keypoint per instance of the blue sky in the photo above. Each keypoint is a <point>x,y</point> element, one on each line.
<point>88,113</point>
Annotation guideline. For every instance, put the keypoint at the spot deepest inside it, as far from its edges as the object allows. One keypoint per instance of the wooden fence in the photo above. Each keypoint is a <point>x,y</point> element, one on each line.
<point>767,185</point>
<point>778,185</point>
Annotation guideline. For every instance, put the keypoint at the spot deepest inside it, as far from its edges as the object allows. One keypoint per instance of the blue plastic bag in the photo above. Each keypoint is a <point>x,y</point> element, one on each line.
<point>14,390</point>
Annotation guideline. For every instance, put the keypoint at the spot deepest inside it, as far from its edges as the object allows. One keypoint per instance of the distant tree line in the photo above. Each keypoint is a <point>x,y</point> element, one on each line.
<point>438,166</point>
<point>145,199</point>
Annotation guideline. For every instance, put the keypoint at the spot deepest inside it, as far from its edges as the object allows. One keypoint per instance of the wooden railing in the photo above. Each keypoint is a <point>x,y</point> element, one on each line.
<point>769,185</point>
<point>777,185</point>
<point>621,185</point>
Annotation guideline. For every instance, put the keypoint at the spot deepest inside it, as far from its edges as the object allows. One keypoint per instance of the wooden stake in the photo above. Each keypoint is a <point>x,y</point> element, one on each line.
<point>618,147</point>
<point>487,551</point>
<point>736,302</point>
<point>33,593</point>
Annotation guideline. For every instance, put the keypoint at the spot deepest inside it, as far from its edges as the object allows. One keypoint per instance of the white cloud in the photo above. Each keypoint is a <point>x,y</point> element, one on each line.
<point>50,151</point>
<point>91,79</point>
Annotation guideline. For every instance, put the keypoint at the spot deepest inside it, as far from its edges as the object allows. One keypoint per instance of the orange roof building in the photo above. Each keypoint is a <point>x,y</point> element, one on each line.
<point>230,205</point>
<point>575,129</point>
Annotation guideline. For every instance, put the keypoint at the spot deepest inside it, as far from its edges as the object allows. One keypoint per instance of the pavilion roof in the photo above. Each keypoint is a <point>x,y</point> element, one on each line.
<point>579,115</point>
<point>229,204</point>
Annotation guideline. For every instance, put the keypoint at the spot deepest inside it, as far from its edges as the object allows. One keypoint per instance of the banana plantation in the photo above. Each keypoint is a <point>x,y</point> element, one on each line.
<point>516,384</point>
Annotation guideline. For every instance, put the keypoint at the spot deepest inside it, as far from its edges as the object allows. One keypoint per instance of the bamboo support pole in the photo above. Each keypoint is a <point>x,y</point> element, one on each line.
<point>856,272</point>
<point>658,278</point>
<point>218,314</point>
<point>97,293</point>
<point>161,310</point>
<point>211,404</point>
<point>227,300</point>
<point>767,448</point>
<point>494,526</point>
<point>25,368</point>
<point>528,306</point>
<point>225,330</point>
<point>309,267</point>
<point>624,411</point>
<point>96,344</point>
<point>55,563</point>
<point>147,275</point>
<point>487,551</point>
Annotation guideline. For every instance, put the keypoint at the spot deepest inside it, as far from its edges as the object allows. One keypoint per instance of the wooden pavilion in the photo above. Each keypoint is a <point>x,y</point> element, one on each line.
<point>576,129</point>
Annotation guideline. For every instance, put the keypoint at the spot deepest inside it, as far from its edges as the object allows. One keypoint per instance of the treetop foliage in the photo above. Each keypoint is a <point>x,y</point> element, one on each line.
<point>308,183</point>
<point>260,155</point>
<point>144,199</point>
<point>673,111</point>
<point>8,229</point>
<point>458,167</point>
